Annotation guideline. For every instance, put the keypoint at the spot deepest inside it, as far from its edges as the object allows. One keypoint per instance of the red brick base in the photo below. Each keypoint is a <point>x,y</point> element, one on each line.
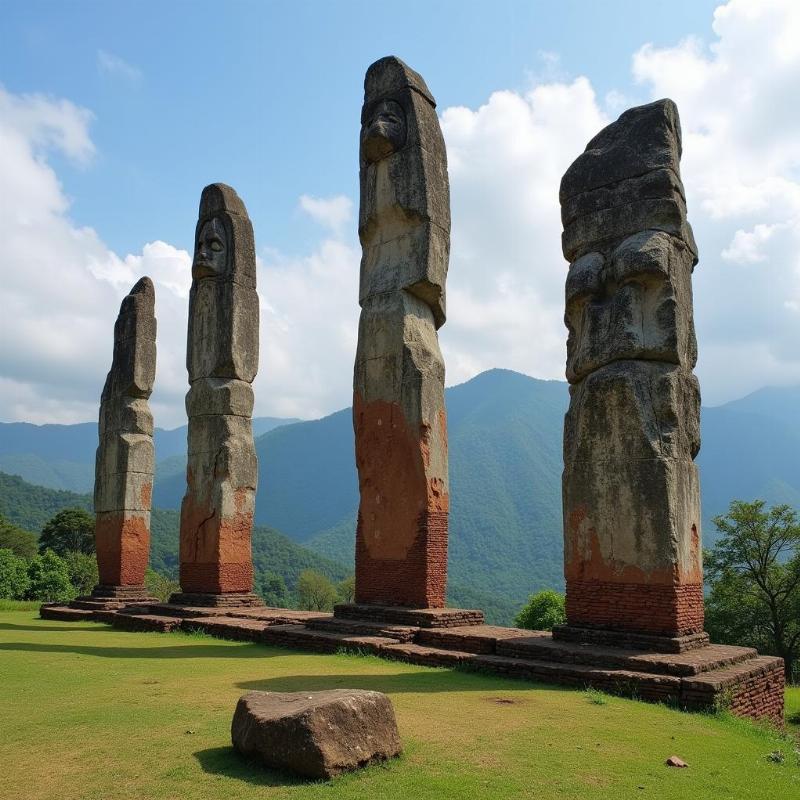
<point>419,580</point>
<point>664,610</point>
<point>217,578</point>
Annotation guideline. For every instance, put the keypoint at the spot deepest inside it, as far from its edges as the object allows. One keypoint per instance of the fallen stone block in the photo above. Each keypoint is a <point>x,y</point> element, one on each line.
<point>316,734</point>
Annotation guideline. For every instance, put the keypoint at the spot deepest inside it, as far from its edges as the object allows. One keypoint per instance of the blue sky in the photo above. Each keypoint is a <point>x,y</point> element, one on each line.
<point>266,96</point>
<point>113,116</point>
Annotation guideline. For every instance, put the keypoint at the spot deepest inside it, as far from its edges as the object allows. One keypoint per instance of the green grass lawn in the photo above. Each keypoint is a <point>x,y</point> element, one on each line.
<point>93,713</point>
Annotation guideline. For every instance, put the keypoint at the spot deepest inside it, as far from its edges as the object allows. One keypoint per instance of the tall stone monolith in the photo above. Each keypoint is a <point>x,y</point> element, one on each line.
<point>216,565</point>
<point>123,481</point>
<point>630,485</point>
<point>398,398</point>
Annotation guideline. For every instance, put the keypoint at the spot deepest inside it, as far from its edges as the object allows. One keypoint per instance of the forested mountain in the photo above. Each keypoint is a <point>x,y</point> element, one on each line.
<point>62,456</point>
<point>505,474</point>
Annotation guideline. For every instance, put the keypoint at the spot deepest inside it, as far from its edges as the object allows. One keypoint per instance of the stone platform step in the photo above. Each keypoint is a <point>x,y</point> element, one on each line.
<point>425,656</point>
<point>471,638</point>
<point>691,662</point>
<point>753,688</point>
<point>274,616</point>
<point>414,617</point>
<point>302,638</point>
<point>644,685</point>
<point>400,633</point>
<point>224,627</point>
<point>65,613</point>
<point>142,621</point>
<point>630,640</point>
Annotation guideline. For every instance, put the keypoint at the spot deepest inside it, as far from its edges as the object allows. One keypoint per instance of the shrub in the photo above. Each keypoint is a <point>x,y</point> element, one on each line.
<point>49,579</point>
<point>347,589</point>
<point>82,570</point>
<point>543,610</point>
<point>315,592</point>
<point>160,586</point>
<point>14,581</point>
<point>273,589</point>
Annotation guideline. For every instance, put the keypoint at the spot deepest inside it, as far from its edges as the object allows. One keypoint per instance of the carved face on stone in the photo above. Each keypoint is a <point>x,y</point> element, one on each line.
<point>211,251</point>
<point>384,132</point>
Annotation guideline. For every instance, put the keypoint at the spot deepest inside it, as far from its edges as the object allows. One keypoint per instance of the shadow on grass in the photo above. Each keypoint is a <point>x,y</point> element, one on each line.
<point>172,651</point>
<point>424,681</point>
<point>226,761</point>
<point>92,626</point>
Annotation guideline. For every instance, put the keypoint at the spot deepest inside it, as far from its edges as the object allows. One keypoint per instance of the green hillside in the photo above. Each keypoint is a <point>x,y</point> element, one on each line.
<point>62,456</point>
<point>31,506</point>
<point>505,471</point>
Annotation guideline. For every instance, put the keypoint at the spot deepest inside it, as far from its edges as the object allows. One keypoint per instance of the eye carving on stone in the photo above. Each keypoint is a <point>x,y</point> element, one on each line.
<point>385,131</point>
<point>211,251</point>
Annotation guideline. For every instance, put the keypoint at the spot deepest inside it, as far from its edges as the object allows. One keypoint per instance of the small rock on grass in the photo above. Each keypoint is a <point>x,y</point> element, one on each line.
<point>674,761</point>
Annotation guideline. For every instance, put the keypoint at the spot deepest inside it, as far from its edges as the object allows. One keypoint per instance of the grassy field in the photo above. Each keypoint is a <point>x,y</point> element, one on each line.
<point>93,713</point>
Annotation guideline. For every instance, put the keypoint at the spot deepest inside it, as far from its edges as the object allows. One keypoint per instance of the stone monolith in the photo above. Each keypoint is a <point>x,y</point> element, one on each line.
<point>630,485</point>
<point>123,480</point>
<point>398,395</point>
<point>216,566</point>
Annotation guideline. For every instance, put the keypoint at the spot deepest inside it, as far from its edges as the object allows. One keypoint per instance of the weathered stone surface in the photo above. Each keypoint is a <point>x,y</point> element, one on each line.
<point>398,399</point>
<point>627,180</point>
<point>125,458</point>
<point>222,361</point>
<point>630,487</point>
<point>316,734</point>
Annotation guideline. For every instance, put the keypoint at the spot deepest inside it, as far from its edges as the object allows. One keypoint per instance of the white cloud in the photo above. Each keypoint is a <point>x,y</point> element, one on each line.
<point>115,67</point>
<point>331,212</point>
<point>505,286</point>
<point>740,167</point>
<point>506,278</point>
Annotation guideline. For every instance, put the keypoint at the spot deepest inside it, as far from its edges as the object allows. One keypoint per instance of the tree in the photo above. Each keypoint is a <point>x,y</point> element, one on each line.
<point>754,573</point>
<point>21,542</point>
<point>14,582</point>
<point>160,586</point>
<point>315,592</point>
<point>274,591</point>
<point>49,578</point>
<point>82,569</point>
<point>542,611</point>
<point>347,589</point>
<point>70,529</point>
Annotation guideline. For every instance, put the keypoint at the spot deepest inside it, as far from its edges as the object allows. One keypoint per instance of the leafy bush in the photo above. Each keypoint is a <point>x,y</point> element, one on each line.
<point>14,581</point>
<point>160,586</point>
<point>272,587</point>
<point>315,592</point>
<point>82,570</point>
<point>542,612</point>
<point>71,530</point>
<point>347,589</point>
<point>49,579</point>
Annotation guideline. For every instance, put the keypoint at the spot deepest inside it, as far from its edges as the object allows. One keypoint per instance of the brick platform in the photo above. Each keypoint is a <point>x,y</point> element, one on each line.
<point>217,599</point>
<point>416,617</point>
<point>700,676</point>
<point>630,639</point>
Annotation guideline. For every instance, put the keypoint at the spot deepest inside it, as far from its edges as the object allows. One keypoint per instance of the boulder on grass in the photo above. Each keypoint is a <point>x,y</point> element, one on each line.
<point>316,734</point>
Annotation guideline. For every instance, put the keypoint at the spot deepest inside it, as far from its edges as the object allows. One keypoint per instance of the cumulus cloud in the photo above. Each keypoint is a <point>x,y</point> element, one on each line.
<point>331,212</point>
<point>506,278</point>
<point>505,287</point>
<point>61,285</point>
<point>740,166</point>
